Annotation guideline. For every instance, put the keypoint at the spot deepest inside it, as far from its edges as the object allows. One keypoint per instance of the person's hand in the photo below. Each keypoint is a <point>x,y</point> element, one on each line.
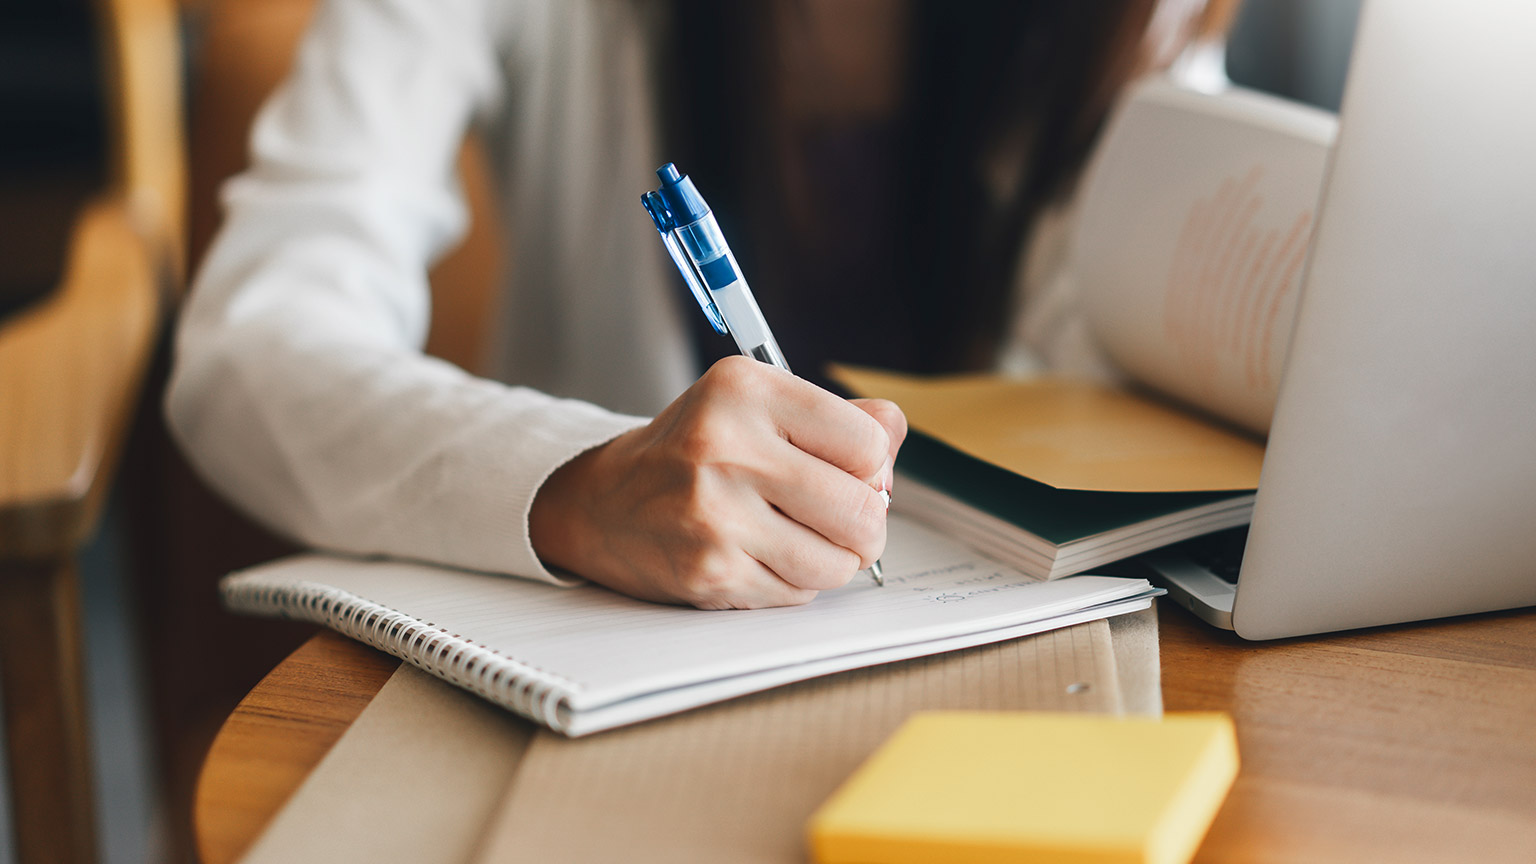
<point>754,488</point>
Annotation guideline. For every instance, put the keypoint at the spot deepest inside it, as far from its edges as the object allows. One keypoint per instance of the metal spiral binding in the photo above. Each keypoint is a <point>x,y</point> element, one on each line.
<point>534,693</point>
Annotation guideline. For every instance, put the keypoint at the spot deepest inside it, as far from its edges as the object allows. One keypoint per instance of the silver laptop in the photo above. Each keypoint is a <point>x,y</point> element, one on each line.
<point>1399,482</point>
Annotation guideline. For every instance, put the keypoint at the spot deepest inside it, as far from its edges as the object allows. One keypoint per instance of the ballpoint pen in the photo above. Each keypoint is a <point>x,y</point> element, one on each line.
<point>693,238</point>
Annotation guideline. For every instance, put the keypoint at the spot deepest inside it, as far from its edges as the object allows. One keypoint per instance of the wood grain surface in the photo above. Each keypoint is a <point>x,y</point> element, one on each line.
<point>1414,743</point>
<point>277,735</point>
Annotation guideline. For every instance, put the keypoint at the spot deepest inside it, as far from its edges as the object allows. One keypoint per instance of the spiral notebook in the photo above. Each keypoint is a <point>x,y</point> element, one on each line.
<point>585,659</point>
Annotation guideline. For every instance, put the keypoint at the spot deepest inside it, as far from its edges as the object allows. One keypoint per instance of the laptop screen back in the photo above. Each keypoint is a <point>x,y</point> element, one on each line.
<point>1400,478</point>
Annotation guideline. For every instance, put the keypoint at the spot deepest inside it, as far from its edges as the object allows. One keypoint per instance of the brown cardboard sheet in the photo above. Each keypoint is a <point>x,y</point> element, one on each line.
<point>1068,433</point>
<point>738,781</point>
<point>416,778</point>
<point>1134,639</point>
<point>433,775</point>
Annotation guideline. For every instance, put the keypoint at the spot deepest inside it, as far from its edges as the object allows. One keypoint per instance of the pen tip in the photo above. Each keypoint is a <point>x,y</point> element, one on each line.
<point>878,572</point>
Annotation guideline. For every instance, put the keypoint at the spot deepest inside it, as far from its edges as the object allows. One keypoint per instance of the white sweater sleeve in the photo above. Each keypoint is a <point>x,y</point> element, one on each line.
<point>299,389</point>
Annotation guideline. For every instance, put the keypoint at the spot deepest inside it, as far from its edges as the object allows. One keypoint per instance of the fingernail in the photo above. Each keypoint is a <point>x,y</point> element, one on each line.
<point>882,481</point>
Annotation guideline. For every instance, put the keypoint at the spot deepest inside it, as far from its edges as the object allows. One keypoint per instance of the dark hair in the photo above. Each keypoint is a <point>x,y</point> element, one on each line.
<point>1013,90</point>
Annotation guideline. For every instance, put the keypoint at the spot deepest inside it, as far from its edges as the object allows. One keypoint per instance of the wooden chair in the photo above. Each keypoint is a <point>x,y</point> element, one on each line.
<point>70,373</point>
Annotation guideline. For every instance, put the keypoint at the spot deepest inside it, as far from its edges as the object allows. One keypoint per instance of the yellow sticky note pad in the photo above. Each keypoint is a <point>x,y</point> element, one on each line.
<point>975,787</point>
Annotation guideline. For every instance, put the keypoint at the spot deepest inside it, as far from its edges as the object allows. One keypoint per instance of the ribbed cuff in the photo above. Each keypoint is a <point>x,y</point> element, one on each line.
<point>530,446</point>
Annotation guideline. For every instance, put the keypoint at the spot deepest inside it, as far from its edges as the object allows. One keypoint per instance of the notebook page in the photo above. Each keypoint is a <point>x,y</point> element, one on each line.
<point>610,647</point>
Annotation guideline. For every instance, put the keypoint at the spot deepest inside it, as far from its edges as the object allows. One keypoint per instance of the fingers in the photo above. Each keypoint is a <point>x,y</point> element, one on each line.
<point>743,583</point>
<point>754,488</point>
<point>801,557</point>
<point>764,557</point>
<point>859,436</point>
<point>723,566</point>
<point>814,420</point>
<point>709,565</point>
<point>836,454</point>
<point>837,433</point>
<point>891,418</point>
<point>838,507</point>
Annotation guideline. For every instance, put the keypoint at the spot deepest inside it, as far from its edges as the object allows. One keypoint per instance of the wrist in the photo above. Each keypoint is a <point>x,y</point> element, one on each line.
<point>560,518</point>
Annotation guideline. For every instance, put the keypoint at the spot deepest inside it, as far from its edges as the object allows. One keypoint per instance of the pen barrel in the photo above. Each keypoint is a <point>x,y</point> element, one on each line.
<point>703,243</point>
<point>745,320</point>
<point>769,353</point>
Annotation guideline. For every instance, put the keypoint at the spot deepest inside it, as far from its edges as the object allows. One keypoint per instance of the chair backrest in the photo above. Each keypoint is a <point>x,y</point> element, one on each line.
<point>143,73</point>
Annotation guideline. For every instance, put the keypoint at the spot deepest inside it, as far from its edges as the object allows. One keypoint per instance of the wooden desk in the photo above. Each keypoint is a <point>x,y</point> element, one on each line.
<point>1399,744</point>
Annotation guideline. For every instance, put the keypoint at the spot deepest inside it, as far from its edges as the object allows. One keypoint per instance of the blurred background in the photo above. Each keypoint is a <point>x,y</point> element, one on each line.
<point>162,664</point>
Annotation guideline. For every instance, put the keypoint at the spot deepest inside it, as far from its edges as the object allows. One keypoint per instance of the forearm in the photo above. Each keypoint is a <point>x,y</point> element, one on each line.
<point>300,390</point>
<point>375,451</point>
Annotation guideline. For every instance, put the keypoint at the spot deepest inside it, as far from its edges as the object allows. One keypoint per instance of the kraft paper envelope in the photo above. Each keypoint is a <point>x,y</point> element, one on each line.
<point>1067,433</point>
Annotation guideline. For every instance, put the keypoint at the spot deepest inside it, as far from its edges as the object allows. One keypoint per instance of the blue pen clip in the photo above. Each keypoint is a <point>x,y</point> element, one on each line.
<point>664,224</point>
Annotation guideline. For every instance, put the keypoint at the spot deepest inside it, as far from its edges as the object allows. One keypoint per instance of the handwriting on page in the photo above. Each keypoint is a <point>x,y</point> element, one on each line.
<point>988,581</point>
<point>922,576</point>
